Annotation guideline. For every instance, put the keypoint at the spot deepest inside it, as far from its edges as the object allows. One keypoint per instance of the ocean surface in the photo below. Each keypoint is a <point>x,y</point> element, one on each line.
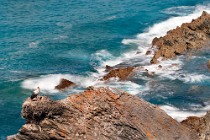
<point>44,41</point>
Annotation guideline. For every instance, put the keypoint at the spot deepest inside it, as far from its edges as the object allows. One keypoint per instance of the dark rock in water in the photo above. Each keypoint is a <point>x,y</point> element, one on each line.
<point>148,52</point>
<point>64,83</point>
<point>108,68</point>
<point>192,35</point>
<point>200,125</point>
<point>208,64</point>
<point>121,73</point>
<point>98,113</point>
<point>138,52</point>
<point>149,74</point>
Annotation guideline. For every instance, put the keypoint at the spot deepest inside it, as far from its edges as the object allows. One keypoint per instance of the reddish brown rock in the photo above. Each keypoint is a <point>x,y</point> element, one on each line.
<point>189,36</point>
<point>208,64</point>
<point>64,83</point>
<point>148,52</point>
<point>108,68</point>
<point>200,125</point>
<point>121,73</point>
<point>98,113</point>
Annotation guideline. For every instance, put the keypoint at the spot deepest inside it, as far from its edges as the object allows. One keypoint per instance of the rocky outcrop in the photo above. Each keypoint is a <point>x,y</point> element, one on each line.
<point>121,73</point>
<point>64,83</point>
<point>98,113</point>
<point>108,68</point>
<point>200,125</point>
<point>189,36</point>
<point>208,64</point>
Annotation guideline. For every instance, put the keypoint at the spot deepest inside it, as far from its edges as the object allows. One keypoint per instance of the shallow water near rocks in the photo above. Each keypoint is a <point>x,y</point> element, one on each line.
<point>42,42</point>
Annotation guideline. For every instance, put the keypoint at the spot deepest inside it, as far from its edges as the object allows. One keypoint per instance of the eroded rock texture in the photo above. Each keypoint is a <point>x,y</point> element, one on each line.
<point>98,114</point>
<point>121,73</point>
<point>187,37</point>
<point>200,125</point>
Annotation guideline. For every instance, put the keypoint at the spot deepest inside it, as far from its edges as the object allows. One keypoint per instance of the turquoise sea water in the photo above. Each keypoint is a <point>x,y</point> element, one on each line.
<point>43,41</point>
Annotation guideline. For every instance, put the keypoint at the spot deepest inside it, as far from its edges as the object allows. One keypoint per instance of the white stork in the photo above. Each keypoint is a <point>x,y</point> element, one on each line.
<point>35,93</point>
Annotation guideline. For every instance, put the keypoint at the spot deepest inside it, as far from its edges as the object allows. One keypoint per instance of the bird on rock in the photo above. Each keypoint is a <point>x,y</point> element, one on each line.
<point>35,93</point>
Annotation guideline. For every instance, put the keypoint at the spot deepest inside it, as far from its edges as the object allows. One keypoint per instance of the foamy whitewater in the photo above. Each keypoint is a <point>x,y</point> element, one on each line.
<point>42,43</point>
<point>171,69</point>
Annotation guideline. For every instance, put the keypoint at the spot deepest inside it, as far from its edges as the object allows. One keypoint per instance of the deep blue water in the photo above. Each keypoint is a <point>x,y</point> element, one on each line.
<point>61,37</point>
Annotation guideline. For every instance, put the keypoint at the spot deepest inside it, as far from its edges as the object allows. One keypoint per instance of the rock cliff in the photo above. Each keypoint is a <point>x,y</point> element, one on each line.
<point>98,113</point>
<point>200,125</point>
<point>189,36</point>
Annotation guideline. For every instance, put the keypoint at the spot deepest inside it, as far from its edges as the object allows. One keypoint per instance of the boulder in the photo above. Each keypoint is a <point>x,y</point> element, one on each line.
<point>108,68</point>
<point>148,52</point>
<point>188,36</point>
<point>200,125</point>
<point>64,83</point>
<point>121,73</point>
<point>98,113</point>
<point>208,64</point>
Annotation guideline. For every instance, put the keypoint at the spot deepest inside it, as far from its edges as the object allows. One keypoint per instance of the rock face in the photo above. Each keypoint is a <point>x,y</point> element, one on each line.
<point>189,36</point>
<point>200,125</point>
<point>64,83</point>
<point>208,64</point>
<point>121,73</point>
<point>99,113</point>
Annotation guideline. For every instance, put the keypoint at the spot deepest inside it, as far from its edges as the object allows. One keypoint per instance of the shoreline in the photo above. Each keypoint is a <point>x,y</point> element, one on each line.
<point>120,72</point>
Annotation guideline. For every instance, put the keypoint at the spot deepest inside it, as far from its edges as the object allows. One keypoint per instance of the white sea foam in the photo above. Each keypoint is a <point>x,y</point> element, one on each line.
<point>143,41</point>
<point>180,115</point>
<point>111,17</point>
<point>33,44</point>
<point>47,83</point>
<point>160,29</point>
<point>169,67</point>
<point>102,58</point>
<point>180,10</point>
<point>61,37</point>
<point>128,86</point>
<point>193,78</point>
<point>65,25</point>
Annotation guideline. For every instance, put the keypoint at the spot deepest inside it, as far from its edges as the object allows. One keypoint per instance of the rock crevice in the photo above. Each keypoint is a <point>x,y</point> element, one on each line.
<point>98,113</point>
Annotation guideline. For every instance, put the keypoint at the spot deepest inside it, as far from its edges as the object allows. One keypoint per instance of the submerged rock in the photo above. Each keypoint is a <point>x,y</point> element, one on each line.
<point>98,113</point>
<point>189,36</point>
<point>64,83</point>
<point>121,73</point>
